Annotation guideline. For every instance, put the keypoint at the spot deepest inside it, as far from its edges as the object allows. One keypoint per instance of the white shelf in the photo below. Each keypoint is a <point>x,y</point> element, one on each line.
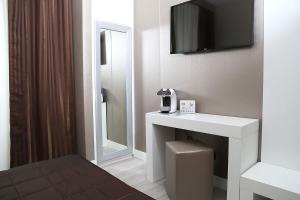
<point>272,181</point>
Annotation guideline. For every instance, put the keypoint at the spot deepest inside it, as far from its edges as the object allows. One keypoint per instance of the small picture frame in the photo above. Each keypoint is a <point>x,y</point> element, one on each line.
<point>187,106</point>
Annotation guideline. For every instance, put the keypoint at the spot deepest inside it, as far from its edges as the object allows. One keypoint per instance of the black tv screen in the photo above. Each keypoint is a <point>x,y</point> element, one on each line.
<point>211,25</point>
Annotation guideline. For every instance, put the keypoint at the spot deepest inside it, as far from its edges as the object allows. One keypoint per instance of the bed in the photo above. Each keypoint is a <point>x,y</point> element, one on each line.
<point>67,178</point>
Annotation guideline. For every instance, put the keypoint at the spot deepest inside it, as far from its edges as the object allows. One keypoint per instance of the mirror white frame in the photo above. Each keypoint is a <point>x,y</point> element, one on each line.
<point>99,154</point>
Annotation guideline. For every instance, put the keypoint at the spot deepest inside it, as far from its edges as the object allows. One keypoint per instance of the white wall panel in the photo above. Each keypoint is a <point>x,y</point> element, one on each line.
<point>281,106</point>
<point>4,89</point>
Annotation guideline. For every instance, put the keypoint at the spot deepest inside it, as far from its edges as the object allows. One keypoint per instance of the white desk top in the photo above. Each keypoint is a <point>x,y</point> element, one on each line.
<point>277,177</point>
<point>226,126</point>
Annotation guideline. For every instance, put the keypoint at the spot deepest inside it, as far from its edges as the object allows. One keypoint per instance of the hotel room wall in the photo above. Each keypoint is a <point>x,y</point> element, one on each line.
<point>225,83</point>
<point>82,40</point>
<point>86,13</point>
<point>146,68</point>
<point>118,12</point>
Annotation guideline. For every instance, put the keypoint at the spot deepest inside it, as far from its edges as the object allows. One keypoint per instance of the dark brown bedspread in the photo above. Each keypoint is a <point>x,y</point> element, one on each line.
<point>65,178</point>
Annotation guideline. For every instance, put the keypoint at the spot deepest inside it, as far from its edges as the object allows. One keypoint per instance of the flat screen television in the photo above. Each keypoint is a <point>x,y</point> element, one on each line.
<point>211,25</point>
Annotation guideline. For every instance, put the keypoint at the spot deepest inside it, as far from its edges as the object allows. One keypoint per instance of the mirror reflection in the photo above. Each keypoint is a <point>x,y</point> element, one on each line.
<point>113,46</point>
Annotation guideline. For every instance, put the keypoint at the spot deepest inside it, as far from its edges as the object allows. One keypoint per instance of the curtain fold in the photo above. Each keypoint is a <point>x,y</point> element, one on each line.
<point>42,103</point>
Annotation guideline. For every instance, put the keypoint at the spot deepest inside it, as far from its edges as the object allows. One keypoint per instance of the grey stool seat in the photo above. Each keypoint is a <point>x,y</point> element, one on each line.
<point>189,171</point>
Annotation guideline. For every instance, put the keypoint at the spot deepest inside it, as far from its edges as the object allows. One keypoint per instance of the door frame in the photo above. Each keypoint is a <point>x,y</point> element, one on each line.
<point>99,155</point>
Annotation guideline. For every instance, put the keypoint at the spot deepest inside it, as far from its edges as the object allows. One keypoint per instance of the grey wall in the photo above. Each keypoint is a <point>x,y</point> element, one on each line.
<point>146,64</point>
<point>82,41</point>
<point>224,83</point>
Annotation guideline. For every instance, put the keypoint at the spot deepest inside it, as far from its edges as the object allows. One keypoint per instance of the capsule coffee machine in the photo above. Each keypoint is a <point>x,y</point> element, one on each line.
<point>168,102</point>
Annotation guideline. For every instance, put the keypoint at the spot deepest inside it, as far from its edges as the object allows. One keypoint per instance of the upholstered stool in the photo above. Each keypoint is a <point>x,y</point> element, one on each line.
<point>189,171</point>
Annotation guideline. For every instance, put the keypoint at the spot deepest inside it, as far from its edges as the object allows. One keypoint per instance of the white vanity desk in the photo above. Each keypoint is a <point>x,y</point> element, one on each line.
<point>242,133</point>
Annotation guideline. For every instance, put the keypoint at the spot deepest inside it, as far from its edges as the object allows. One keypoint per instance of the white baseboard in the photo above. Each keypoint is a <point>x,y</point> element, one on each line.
<point>139,154</point>
<point>112,161</point>
<point>94,162</point>
<point>220,183</point>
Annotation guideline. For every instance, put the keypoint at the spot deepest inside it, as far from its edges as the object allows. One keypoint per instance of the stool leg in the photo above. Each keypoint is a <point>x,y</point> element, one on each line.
<point>246,195</point>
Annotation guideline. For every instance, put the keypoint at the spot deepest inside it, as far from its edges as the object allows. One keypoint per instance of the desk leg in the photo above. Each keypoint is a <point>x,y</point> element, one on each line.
<point>234,169</point>
<point>246,195</point>
<point>156,138</point>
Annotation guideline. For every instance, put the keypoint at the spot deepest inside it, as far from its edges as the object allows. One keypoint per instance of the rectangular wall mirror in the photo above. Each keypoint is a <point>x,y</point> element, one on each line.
<point>113,92</point>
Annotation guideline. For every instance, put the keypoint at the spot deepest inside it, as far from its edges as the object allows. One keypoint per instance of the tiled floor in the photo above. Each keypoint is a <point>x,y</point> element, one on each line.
<point>132,172</point>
